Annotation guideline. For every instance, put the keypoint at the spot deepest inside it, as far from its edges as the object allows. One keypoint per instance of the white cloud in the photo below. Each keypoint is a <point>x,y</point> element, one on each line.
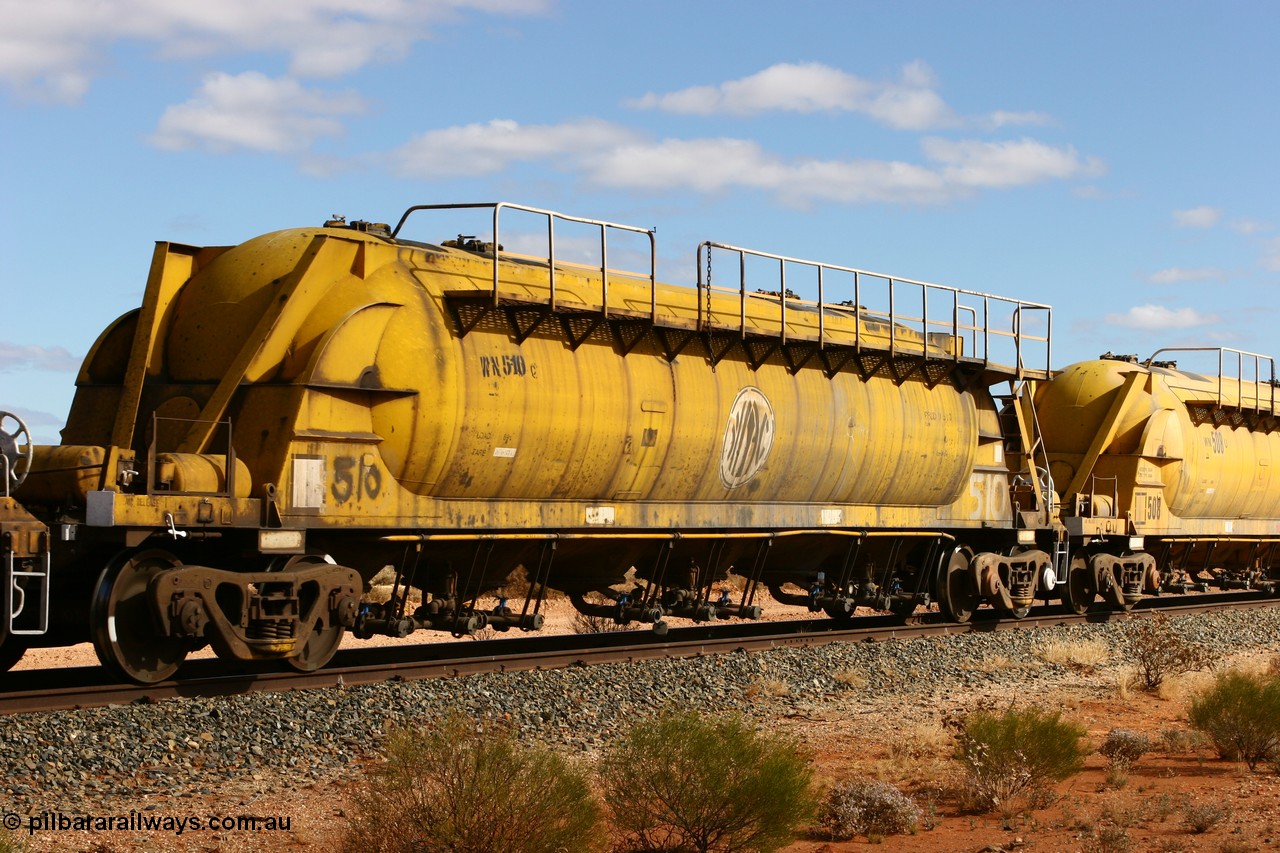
<point>35,419</point>
<point>908,103</point>
<point>50,49</point>
<point>1248,227</point>
<point>1003,118</point>
<point>480,149</point>
<point>609,155</point>
<point>704,165</point>
<point>1197,217</point>
<point>1174,275</point>
<point>1271,255</point>
<point>717,165</point>
<point>1158,318</point>
<point>975,163</point>
<point>33,357</point>
<point>254,111</point>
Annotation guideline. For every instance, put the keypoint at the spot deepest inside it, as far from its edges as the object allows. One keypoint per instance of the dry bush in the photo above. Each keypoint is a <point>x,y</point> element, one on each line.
<point>1236,847</point>
<point>1162,806</point>
<point>446,789</point>
<point>1180,688</point>
<point>1124,812</point>
<point>917,755</point>
<point>386,576</point>
<point>989,664</point>
<point>851,678</point>
<point>766,688</point>
<point>381,594</point>
<point>1123,747</point>
<point>1202,817</point>
<point>1077,654</point>
<point>11,842</point>
<point>873,809</point>
<point>1108,839</point>
<point>1241,715</point>
<point>586,623</point>
<point>686,782</point>
<point>1158,651</point>
<point>1177,741</point>
<point>1017,753</point>
<point>1126,682</point>
<point>518,587</point>
<point>921,741</point>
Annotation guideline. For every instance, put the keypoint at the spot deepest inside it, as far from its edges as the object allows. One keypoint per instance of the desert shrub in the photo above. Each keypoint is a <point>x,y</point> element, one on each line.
<point>1010,754</point>
<point>1158,651</point>
<point>11,842</point>
<point>1108,839</point>
<point>1182,740</point>
<point>586,623</point>
<point>1123,747</point>
<point>1086,654</point>
<point>867,808</point>
<point>1163,806</point>
<point>766,688</point>
<point>518,585</point>
<point>1202,817</point>
<point>454,789</point>
<point>850,678</point>
<point>1124,812</point>
<point>1241,715</point>
<point>920,742</point>
<point>686,782</point>
<point>589,623</point>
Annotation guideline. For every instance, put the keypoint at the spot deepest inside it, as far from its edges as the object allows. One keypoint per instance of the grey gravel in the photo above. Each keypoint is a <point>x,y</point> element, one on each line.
<point>189,746</point>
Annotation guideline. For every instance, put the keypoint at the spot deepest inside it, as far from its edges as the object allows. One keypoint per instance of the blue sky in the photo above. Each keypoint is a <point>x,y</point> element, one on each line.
<point>1115,160</point>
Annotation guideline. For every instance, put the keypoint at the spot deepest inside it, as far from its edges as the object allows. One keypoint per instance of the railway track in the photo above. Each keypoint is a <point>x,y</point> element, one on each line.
<point>84,687</point>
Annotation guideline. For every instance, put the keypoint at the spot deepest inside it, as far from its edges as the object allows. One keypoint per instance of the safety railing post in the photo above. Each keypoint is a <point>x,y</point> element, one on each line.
<point>822,311</point>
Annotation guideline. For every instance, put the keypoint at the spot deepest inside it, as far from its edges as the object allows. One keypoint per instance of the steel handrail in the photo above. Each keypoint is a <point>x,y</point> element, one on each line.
<point>1241,355</point>
<point>921,323</point>
<point>552,217</point>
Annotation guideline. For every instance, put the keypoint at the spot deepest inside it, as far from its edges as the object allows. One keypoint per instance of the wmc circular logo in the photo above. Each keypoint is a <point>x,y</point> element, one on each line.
<point>748,437</point>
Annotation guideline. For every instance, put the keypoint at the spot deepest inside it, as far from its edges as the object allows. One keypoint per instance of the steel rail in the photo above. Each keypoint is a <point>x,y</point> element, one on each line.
<point>84,687</point>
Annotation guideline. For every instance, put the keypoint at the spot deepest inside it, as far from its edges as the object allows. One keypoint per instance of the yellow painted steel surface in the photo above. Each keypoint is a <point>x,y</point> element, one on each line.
<point>1184,448</point>
<point>190,472</point>
<point>337,359</point>
<point>63,474</point>
<point>22,532</point>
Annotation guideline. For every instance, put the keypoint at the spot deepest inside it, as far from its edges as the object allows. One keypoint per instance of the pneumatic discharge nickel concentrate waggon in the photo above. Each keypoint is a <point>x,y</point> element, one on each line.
<point>282,419</point>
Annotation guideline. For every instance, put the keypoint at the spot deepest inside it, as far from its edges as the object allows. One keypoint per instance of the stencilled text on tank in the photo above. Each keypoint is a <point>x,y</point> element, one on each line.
<point>748,437</point>
<point>502,366</point>
<point>356,478</point>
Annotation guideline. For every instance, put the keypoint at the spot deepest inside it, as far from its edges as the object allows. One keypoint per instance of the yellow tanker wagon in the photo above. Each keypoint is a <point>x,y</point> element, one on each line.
<point>1169,479</point>
<point>282,419</point>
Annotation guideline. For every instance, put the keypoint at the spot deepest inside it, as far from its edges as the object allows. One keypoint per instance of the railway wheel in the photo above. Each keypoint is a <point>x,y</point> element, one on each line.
<point>1016,611</point>
<point>957,592</point>
<point>1081,586</point>
<point>125,634</point>
<point>323,643</point>
<point>11,651</point>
